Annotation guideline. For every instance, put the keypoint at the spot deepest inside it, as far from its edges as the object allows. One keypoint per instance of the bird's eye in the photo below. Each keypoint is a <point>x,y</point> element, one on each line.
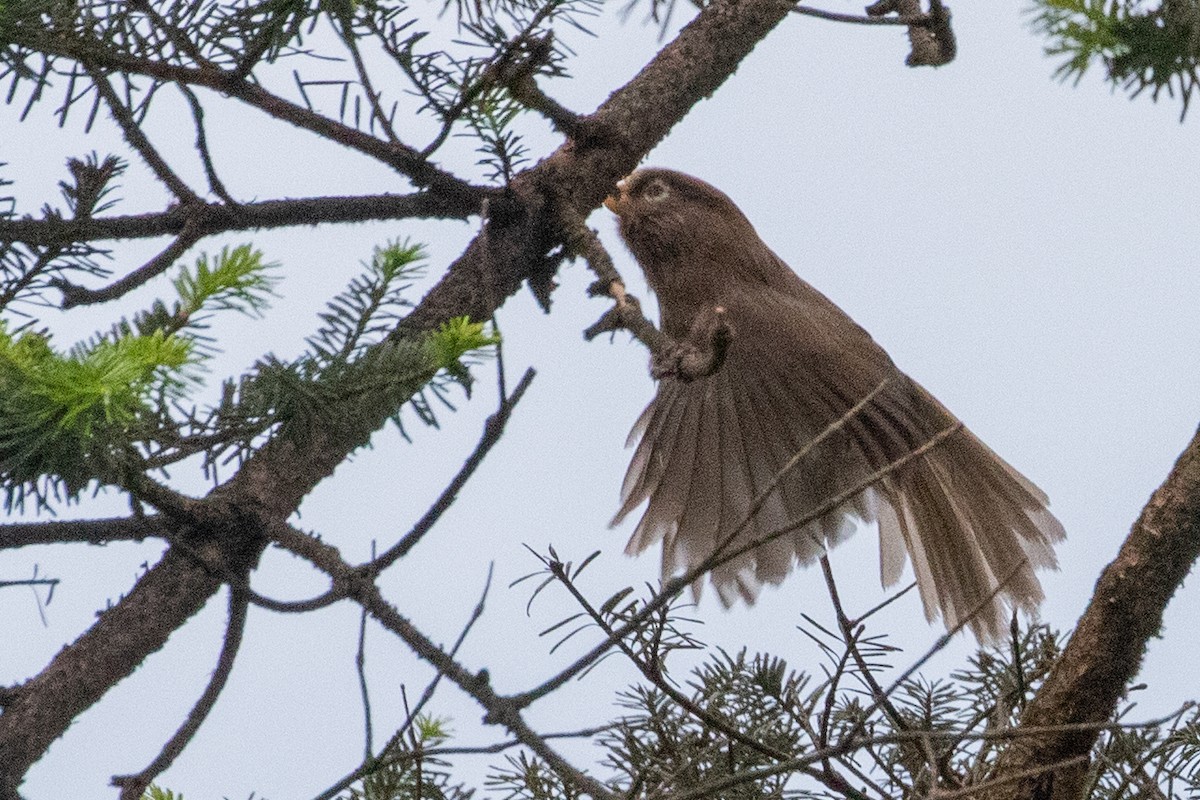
<point>655,190</point>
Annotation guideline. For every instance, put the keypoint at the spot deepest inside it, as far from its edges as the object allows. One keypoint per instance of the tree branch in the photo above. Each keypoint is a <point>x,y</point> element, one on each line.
<point>133,786</point>
<point>76,295</point>
<point>401,157</point>
<point>89,531</point>
<point>493,429</point>
<point>270,484</point>
<point>212,218</point>
<point>137,140</point>
<point>1105,652</point>
<point>210,171</point>
<point>38,711</point>
<point>500,710</point>
<point>855,19</point>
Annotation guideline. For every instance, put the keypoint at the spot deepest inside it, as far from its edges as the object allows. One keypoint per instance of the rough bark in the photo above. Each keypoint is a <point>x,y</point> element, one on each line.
<point>1106,649</point>
<point>223,534</point>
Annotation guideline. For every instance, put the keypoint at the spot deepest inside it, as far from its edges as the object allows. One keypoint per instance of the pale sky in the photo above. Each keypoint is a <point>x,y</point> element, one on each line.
<point>1024,249</point>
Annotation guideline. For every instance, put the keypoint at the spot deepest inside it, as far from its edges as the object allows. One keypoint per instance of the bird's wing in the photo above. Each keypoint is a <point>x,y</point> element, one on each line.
<point>973,527</point>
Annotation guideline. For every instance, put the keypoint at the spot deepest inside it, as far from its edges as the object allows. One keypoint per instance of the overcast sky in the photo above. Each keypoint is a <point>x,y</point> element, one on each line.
<point>1024,249</point>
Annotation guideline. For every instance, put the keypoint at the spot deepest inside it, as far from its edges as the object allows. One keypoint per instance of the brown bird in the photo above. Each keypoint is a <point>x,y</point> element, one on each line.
<point>974,528</point>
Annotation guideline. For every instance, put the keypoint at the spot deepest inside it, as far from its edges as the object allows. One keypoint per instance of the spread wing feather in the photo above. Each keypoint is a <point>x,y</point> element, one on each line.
<point>972,526</point>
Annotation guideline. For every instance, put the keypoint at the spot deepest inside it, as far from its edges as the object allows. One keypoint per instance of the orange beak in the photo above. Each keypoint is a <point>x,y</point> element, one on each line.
<point>614,201</point>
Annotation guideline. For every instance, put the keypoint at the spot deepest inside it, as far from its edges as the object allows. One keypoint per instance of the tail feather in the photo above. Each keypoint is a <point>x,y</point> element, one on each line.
<point>668,487</point>
<point>737,490</point>
<point>973,527</point>
<point>658,432</point>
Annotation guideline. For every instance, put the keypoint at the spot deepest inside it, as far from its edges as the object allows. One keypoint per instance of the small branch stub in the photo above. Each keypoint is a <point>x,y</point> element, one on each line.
<point>933,43</point>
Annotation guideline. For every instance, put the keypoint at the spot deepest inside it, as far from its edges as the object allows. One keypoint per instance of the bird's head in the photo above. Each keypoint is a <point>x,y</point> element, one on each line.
<point>674,224</point>
<point>683,230</point>
<point>655,193</point>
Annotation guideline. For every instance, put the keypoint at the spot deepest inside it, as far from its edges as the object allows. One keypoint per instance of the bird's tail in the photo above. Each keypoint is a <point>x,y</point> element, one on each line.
<point>973,527</point>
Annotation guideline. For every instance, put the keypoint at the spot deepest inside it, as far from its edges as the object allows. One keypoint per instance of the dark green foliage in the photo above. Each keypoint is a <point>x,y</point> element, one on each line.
<point>833,738</point>
<point>814,738</point>
<point>28,273</point>
<point>68,419</point>
<point>659,747</point>
<point>1141,48</point>
<point>523,776</point>
<point>117,405</point>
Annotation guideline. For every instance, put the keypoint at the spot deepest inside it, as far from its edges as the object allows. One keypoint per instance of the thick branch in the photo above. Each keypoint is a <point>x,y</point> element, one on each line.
<point>519,237</point>
<point>90,531</point>
<point>612,141</point>
<point>37,712</point>
<point>214,218</point>
<point>1105,652</point>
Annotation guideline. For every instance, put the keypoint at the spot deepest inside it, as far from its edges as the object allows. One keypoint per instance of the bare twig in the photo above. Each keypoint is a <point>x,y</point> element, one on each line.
<point>210,170</point>
<point>33,582</point>
<point>134,786</point>
<point>582,242</point>
<point>920,20</point>
<point>500,747</point>
<point>360,667</point>
<point>390,752</point>
<point>884,604</point>
<point>500,710</point>
<point>51,582</point>
<point>493,429</point>
<point>364,79</point>
<point>295,606</point>
<point>137,140</point>
<point>850,634</point>
<point>181,40</point>
<point>262,215</point>
<point>701,354</point>
<point>401,157</point>
<point>76,295</point>
<point>654,674</point>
